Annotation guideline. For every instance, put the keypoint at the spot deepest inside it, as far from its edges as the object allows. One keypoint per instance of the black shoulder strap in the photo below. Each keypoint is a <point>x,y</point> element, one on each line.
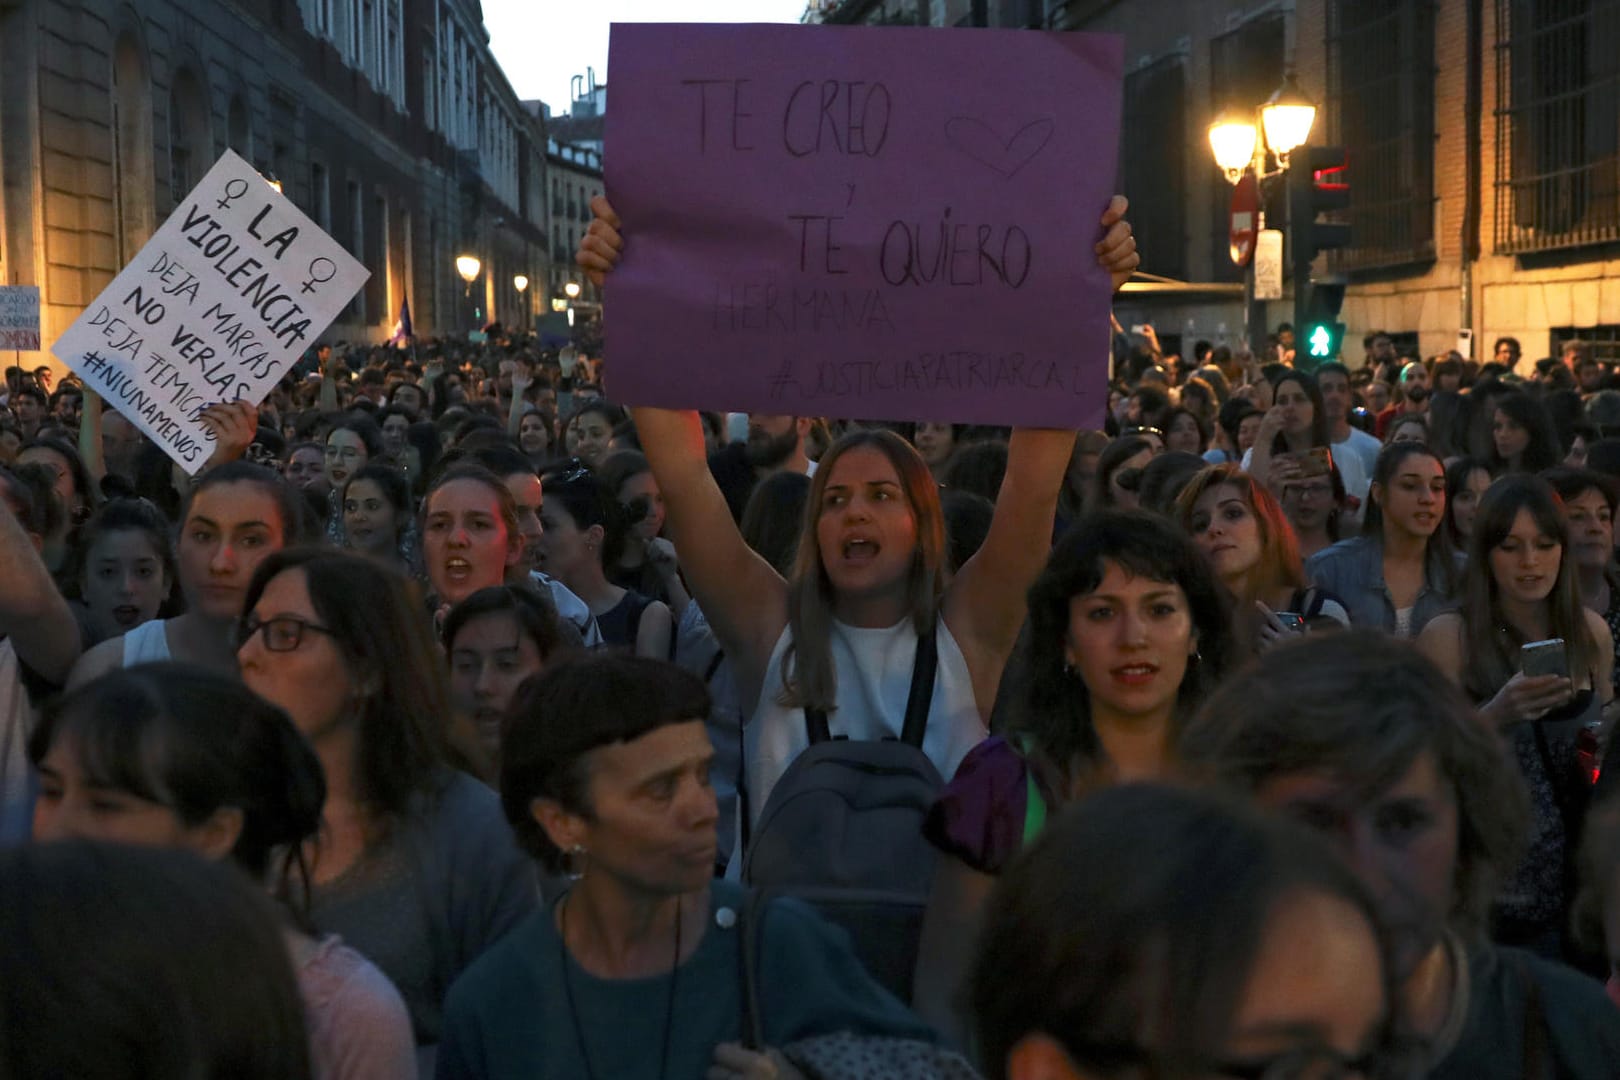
<point>921,698</point>
<point>918,701</point>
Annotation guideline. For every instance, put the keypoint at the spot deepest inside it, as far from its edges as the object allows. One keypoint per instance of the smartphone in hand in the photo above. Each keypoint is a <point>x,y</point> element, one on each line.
<point>1544,658</point>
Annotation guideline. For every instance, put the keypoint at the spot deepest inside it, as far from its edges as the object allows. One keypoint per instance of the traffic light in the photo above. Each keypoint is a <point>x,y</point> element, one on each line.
<point>1319,335</point>
<point>1316,185</point>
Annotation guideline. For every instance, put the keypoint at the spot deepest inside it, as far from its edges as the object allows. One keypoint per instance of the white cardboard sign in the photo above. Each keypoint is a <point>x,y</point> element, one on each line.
<point>223,299</point>
<point>19,317</point>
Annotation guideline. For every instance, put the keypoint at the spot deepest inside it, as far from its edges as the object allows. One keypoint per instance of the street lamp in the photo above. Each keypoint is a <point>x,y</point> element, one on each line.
<point>1286,119</point>
<point>1239,145</point>
<point>520,282</point>
<point>1232,138</point>
<point>572,290</point>
<point>468,266</point>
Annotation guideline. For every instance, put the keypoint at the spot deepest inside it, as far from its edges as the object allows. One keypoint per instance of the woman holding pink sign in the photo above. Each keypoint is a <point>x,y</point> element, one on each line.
<point>870,584</point>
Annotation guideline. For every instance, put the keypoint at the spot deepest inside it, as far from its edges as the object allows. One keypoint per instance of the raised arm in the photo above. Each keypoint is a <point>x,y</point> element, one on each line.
<point>743,598</point>
<point>32,612</point>
<point>985,604</point>
<point>522,379</point>
<point>90,448</point>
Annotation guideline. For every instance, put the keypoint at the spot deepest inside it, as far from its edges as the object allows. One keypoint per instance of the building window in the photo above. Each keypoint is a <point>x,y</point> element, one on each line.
<point>1245,68</point>
<point>357,244</point>
<point>1155,168</point>
<point>238,130</point>
<point>1603,342</point>
<point>191,138</point>
<point>320,196</point>
<point>132,147</point>
<point>1557,124</point>
<point>1383,115</point>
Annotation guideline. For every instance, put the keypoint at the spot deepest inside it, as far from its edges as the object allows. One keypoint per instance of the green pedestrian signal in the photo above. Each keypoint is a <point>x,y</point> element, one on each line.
<point>1321,342</point>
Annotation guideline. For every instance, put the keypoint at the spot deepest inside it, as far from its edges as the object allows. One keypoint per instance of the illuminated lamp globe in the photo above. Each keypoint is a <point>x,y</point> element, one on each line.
<point>1232,139</point>
<point>468,266</point>
<point>1287,117</point>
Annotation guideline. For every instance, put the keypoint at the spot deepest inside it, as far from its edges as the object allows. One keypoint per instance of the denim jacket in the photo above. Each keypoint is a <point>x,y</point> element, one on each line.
<point>1353,570</point>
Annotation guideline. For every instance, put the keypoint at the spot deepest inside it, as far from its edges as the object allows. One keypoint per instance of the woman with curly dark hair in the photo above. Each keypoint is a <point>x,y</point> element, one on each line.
<point>1128,632</point>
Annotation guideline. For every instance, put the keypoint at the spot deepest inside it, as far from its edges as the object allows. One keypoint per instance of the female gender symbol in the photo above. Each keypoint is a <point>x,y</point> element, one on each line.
<point>314,275</point>
<point>233,191</point>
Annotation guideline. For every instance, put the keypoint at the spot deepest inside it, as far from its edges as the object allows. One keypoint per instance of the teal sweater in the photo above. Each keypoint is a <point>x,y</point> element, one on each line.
<point>508,1015</point>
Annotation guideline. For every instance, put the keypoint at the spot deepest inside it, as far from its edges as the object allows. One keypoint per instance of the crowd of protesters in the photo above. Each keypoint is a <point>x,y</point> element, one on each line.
<point>456,721</point>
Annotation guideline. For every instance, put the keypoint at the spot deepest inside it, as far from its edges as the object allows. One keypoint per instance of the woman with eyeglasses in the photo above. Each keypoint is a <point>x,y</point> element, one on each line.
<point>413,867</point>
<point>170,755</point>
<point>583,533</point>
<point>1106,952</point>
<point>1315,507</point>
<point>238,514</point>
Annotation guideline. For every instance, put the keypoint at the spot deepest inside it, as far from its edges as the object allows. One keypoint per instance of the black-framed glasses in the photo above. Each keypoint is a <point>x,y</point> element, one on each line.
<point>280,633</point>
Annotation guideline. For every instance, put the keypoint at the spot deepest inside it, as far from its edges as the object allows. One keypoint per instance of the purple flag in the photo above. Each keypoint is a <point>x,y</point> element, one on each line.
<point>886,222</point>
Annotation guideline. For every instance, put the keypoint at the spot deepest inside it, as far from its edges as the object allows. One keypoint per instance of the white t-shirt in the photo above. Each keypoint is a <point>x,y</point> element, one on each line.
<point>1364,446</point>
<point>874,683</point>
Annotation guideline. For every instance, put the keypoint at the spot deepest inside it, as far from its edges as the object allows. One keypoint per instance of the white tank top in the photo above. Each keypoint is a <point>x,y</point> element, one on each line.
<point>148,643</point>
<point>874,681</point>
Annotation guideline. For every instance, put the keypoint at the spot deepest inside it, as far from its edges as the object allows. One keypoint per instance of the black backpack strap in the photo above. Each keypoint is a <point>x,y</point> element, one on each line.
<point>918,701</point>
<point>921,698</point>
<point>815,726</point>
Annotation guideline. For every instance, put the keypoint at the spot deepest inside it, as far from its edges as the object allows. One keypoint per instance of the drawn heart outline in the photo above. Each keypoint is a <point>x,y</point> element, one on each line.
<point>983,144</point>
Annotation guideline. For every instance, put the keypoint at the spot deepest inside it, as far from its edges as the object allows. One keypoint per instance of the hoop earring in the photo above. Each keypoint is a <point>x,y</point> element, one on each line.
<point>574,862</point>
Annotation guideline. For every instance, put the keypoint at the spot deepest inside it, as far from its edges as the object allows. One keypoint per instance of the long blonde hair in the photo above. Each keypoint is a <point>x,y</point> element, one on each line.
<point>809,679</point>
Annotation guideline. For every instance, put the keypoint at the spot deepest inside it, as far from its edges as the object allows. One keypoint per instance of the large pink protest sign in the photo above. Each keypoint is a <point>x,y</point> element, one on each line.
<point>862,221</point>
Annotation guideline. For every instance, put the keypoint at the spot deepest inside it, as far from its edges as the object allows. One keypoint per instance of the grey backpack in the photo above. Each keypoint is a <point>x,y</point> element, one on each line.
<point>843,831</point>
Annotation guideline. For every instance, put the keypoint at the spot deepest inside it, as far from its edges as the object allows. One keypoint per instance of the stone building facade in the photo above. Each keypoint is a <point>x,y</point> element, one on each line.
<point>387,121</point>
<point>1483,141</point>
<point>1483,145</point>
